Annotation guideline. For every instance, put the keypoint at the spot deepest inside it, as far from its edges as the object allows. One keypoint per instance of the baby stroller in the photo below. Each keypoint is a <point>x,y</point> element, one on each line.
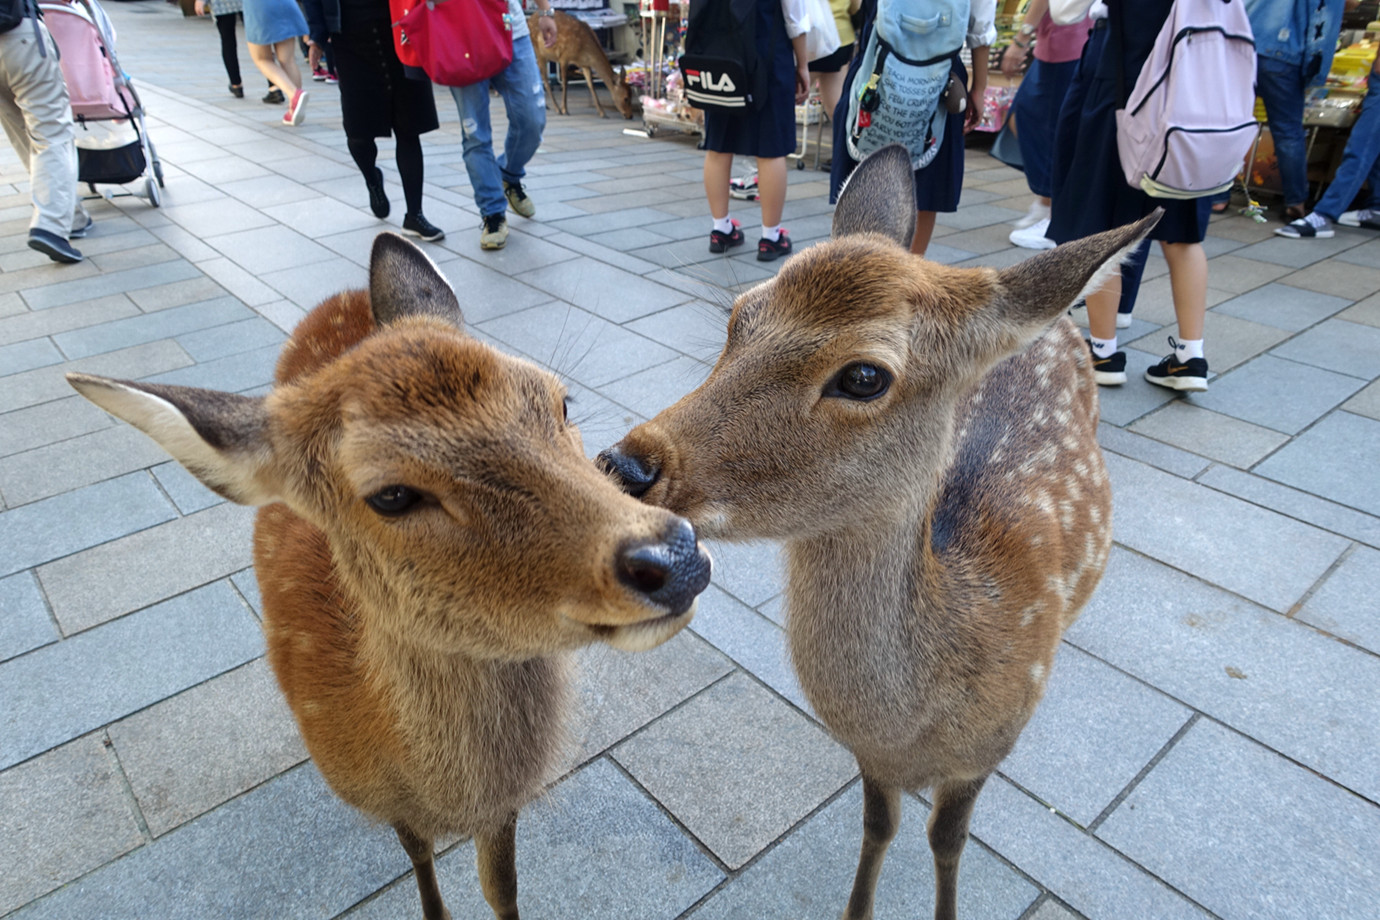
<point>113,146</point>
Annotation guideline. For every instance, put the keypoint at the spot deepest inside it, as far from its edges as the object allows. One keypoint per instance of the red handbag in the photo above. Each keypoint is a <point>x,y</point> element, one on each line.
<point>457,42</point>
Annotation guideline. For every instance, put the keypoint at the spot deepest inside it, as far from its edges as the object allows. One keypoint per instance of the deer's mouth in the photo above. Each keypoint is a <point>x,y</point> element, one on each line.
<point>648,634</point>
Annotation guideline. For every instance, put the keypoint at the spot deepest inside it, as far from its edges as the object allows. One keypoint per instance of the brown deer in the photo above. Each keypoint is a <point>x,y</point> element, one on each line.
<point>945,516</point>
<point>577,46</point>
<point>432,543</point>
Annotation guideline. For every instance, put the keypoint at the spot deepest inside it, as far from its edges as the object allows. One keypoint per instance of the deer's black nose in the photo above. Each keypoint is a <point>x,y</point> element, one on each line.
<point>635,475</point>
<point>671,572</point>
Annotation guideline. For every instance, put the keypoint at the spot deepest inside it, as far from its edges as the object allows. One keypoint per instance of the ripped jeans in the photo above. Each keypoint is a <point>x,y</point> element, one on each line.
<point>520,87</point>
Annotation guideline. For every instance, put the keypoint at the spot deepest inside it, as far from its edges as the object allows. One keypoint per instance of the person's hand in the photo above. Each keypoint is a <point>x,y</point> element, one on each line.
<point>977,104</point>
<point>1013,59</point>
<point>201,9</point>
<point>313,52</point>
<point>547,26</point>
<point>802,83</point>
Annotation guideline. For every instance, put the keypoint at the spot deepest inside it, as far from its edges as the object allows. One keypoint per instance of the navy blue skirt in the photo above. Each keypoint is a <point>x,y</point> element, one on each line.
<point>768,132</point>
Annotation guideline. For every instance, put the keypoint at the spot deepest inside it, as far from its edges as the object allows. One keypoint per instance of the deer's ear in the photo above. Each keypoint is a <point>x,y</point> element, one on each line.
<point>1044,285</point>
<point>403,281</point>
<point>879,197</point>
<point>221,438</point>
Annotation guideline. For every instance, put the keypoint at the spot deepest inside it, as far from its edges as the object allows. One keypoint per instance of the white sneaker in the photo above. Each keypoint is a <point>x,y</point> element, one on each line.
<point>1038,211</point>
<point>1123,321</point>
<point>1032,237</point>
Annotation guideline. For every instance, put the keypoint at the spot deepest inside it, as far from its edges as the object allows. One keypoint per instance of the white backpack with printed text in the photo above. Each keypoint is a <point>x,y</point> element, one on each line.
<point>1190,119</point>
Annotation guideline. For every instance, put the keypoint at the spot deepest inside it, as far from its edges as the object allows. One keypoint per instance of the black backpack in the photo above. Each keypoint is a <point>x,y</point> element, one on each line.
<point>13,12</point>
<point>720,65</point>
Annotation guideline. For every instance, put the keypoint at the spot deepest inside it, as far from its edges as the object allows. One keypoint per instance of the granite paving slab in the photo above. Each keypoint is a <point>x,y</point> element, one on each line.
<point>648,392</point>
<point>753,641</point>
<point>1248,834</point>
<point>66,689</point>
<point>753,572</point>
<point>593,847</point>
<point>150,327</point>
<point>25,623</point>
<point>189,753</point>
<point>25,356</point>
<point>1366,402</point>
<point>231,339</point>
<point>185,490</point>
<point>1257,553</point>
<point>1335,459</point>
<point>26,429</point>
<point>1209,433</point>
<point>602,289</point>
<point>1281,682</point>
<point>1280,250</point>
<point>232,373</point>
<point>49,383</point>
<point>1284,395</point>
<point>1136,446</point>
<point>697,328</point>
<point>71,464</point>
<point>61,815</point>
<point>1296,504</point>
<point>1337,345</point>
<point>810,873</point>
<point>131,279</point>
<point>1283,307</point>
<point>289,848</point>
<point>619,692</point>
<point>736,766</point>
<point>1091,735</point>
<point>54,527</point>
<point>114,578</point>
<point>25,324</point>
<point>1346,604</point>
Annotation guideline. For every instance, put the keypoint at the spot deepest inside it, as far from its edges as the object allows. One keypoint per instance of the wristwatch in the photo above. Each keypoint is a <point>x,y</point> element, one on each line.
<point>1027,29</point>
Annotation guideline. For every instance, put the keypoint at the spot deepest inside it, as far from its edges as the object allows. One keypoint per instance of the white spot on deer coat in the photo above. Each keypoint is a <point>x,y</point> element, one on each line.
<point>1037,672</point>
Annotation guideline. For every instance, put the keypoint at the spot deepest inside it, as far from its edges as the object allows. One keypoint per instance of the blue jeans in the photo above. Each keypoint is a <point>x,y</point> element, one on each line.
<point>525,102</point>
<point>1281,88</point>
<point>1360,160</point>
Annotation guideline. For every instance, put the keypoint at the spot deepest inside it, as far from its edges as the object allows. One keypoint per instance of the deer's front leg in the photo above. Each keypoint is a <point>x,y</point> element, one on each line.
<point>881,819</point>
<point>497,857</point>
<point>419,850</point>
<point>948,830</point>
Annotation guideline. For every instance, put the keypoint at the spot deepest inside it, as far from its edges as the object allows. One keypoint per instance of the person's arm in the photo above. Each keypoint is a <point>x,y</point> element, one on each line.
<point>1067,12</point>
<point>982,31</point>
<point>797,19</point>
<point>1023,45</point>
<point>546,23</point>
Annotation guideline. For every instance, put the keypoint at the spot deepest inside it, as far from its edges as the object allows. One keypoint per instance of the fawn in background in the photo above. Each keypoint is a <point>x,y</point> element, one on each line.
<point>432,544</point>
<point>923,440</point>
<point>577,46</point>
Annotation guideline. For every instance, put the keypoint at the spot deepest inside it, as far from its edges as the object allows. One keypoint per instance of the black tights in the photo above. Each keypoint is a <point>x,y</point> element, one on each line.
<point>225,24</point>
<point>409,157</point>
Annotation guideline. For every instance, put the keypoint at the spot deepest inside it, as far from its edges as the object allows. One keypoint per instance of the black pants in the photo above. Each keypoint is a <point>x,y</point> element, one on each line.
<point>225,25</point>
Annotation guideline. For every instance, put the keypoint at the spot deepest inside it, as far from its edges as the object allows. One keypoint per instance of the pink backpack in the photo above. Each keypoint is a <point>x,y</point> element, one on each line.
<point>1190,119</point>
<point>96,90</point>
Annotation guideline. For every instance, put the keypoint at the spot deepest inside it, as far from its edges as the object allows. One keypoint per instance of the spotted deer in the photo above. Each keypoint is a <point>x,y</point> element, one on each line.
<point>577,46</point>
<point>431,544</point>
<point>923,440</point>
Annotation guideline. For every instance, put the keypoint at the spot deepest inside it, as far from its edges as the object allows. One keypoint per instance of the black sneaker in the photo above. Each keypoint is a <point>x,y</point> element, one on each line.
<point>1109,371</point>
<point>378,198</point>
<point>1186,376</point>
<point>417,225</point>
<point>771,250</point>
<point>723,242</point>
<point>275,97</point>
<point>53,246</point>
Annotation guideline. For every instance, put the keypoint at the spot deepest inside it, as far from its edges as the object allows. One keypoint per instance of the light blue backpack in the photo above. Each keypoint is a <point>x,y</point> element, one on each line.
<point>895,96</point>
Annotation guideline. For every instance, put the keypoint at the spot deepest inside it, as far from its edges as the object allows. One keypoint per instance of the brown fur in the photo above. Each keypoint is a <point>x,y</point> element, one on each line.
<point>939,538</point>
<point>577,46</point>
<point>424,655</point>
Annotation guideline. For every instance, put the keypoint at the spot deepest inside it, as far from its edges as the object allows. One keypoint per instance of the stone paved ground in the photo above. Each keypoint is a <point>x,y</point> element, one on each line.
<point>1209,746</point>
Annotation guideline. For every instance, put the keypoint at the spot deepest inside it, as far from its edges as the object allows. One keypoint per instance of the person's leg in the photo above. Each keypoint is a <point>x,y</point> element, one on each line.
<point>476,136</point>
<point>1109,363</point>
<point>924,231</point>
<point>830,90</point>
<point>1280,86</point>
<point>1185,368</point>
<point>520,85</point>
<point>1358,159</point>
<point>229,50</point>
<point>411,172</point>
<point>771,188</point>
<point>266,60</point>
<point>718,169</point>
<point>286,53</point>
<point>38,120</point>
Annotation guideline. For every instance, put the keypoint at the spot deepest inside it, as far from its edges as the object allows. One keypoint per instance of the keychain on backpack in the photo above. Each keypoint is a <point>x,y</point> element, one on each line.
<point>868,101</point>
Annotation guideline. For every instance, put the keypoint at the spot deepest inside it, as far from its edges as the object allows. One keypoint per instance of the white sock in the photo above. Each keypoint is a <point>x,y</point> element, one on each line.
<point>771,233</point>
<point>1103,348</point>
<point>1185,349</point>
<point>1318,221</point>
<point>723,225</point>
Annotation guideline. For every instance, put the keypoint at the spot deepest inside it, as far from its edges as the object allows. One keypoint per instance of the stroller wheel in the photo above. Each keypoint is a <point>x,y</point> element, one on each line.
<point>152,194</point>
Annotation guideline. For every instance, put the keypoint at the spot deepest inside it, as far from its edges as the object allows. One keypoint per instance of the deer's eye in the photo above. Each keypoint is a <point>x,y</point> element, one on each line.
<point>859,381</point>
<point>392,501</point>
